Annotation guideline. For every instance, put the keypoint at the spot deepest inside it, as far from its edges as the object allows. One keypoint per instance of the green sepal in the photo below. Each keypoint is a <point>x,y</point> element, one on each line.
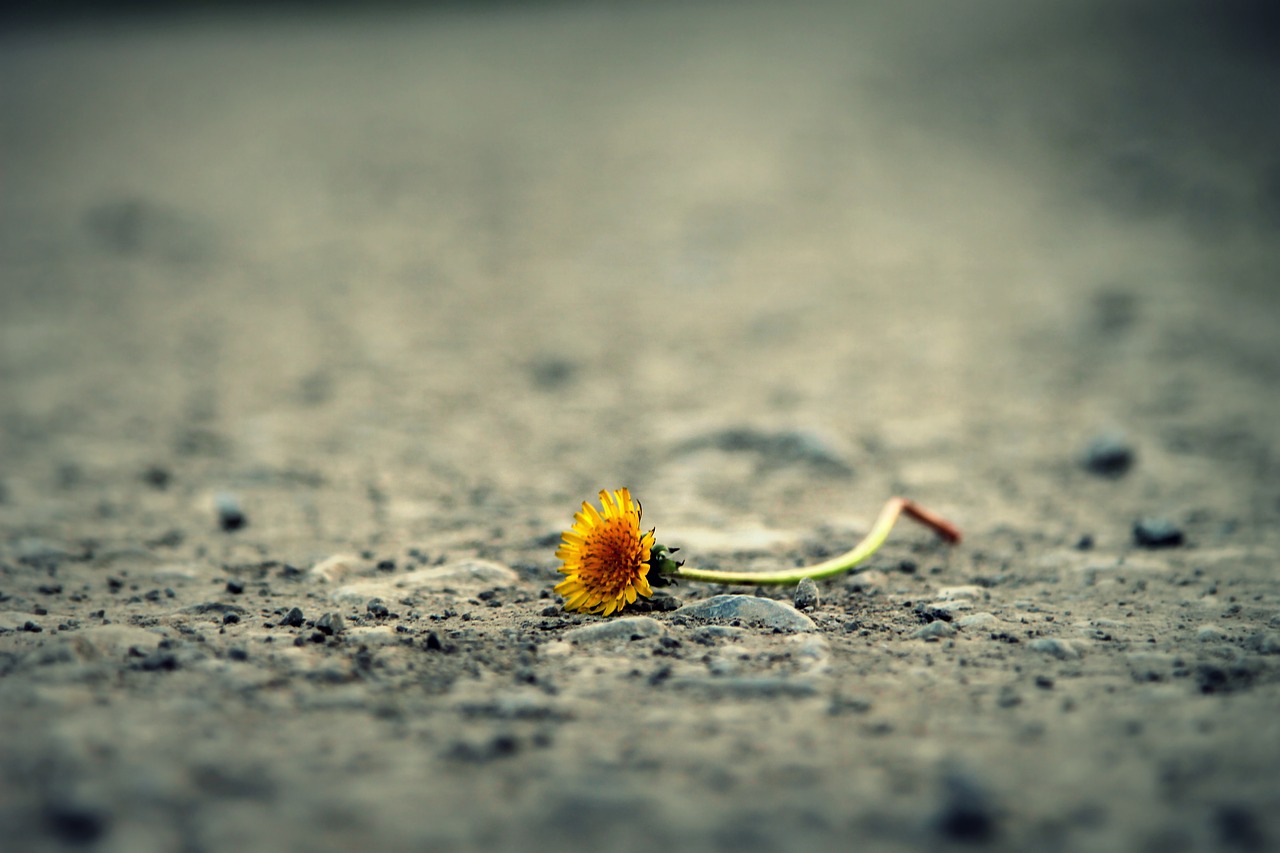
<point>662,568</point>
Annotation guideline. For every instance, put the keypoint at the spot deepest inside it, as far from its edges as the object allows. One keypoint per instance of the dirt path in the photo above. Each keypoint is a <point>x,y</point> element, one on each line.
<point>343,318</point>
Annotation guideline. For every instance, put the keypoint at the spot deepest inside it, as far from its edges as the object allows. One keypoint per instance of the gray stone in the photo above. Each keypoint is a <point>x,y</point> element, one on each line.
<point>1108,455</point>
<point>1156,533</point>
<point>966,813</point>
<point>976,620</point>
<point>230,515</point>
<point>934,631</point>
<point>751,609</point>
<point>806,595</point>
<point>1052,646</point>
<point>330,624</point>
<point>626,628</point>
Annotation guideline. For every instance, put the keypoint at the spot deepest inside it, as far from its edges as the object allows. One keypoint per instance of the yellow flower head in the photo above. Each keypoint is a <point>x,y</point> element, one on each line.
<point>605,555</point>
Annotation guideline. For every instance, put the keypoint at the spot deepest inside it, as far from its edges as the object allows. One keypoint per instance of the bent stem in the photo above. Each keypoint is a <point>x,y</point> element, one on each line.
<point>836,565</point>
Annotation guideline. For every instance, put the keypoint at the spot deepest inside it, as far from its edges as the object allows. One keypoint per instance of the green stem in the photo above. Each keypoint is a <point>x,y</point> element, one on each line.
<point>836,565</point>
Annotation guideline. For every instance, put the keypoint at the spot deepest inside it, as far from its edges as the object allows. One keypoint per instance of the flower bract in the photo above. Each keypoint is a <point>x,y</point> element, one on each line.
<point>605,555</point>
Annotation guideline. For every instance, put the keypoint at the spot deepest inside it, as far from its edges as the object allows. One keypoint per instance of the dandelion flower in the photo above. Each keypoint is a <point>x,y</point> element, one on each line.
<point>606,556</point>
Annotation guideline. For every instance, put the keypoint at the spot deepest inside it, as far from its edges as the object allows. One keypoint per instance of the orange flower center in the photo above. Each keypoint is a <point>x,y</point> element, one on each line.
<point>612,556</point>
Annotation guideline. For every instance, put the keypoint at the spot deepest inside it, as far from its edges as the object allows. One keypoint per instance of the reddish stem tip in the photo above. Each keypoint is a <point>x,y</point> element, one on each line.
<point>940,525</point>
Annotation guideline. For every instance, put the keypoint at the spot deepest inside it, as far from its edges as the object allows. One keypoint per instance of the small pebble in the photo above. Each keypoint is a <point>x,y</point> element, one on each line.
<point>934,631</point>
<point>330,624</point>
<point>749,609</point>
<point>806,595</point>
<point>1239,828</point>
<point>976,620</point>
<point>1156,533</point>
<point>1210,633</point>
<point>157,477</point>
<point>293,618</point>
<point>377,608</point>
<point>1052,646</point>
<point>625,629</point>
<point>1108,455</point>
<point>550,372</point>
<point>75,823</point>
<point>230,516</point>
<point>966,814</point>
<point>235,586</point>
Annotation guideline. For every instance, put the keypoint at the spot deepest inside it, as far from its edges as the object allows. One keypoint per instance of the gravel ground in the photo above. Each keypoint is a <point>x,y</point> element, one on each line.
<point>315,332</point>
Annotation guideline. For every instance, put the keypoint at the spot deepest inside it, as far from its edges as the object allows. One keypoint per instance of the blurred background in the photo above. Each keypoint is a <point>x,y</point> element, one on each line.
<point>393,262</point>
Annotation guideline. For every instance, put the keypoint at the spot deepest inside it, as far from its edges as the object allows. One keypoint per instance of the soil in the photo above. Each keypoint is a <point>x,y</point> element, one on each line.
<point>314,333</point>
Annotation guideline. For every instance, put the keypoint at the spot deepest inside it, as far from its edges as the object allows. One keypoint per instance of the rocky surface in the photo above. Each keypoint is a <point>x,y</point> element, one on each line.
<point>314,334</point>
